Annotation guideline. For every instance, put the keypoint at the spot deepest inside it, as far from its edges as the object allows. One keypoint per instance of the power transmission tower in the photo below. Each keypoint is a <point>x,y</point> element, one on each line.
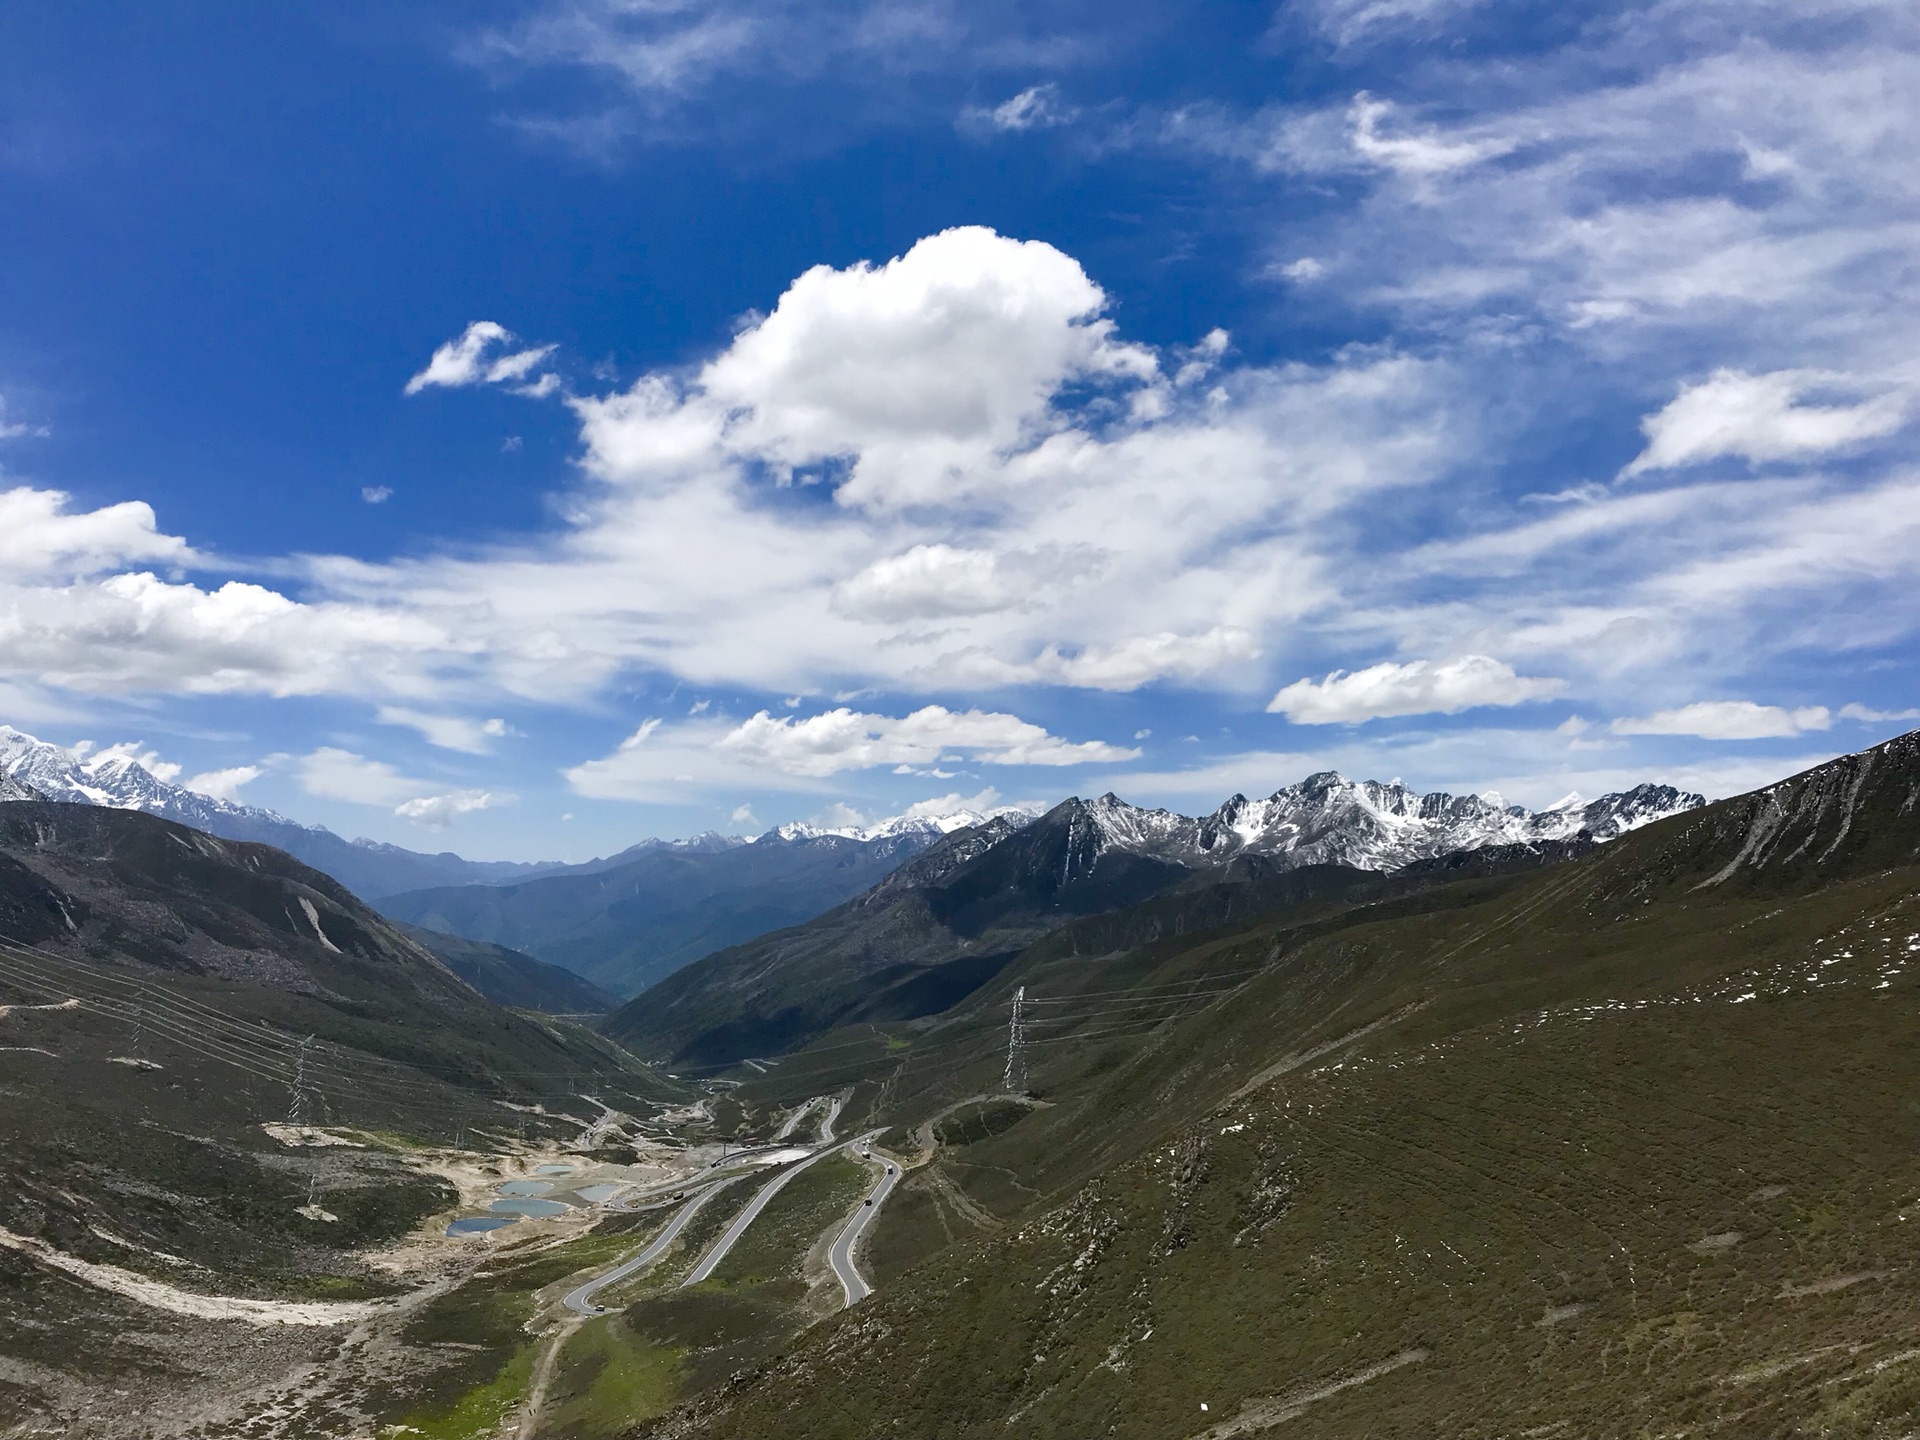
<point>297,1114</point>
<point>1015,1079</point>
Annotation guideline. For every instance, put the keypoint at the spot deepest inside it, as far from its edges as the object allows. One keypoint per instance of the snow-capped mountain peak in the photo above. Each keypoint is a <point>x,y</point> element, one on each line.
<point>116,779</point>
<point>910,825</point>
<point>1329,819</point>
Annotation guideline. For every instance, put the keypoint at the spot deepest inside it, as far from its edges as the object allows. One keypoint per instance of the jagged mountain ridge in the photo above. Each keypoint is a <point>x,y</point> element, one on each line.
<point>930,826</point>
<point>1327,819</point>
<point>948,920</point>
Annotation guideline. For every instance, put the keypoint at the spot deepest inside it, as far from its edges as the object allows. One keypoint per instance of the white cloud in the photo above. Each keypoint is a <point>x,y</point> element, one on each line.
<point>1007,509</point>
<point>1760,418</point>
<point>1419,687</point>
<point>1415,154</point>
<point>136,632</point>
<point>1728,720</point>
<point>376,494</point>
<point>40,537</point>
<point>1871,716</point>
<point>449,732</point>
<point>1348,22</point>
<point>919,371</point>
<point>662,762</point>
<point>933,581</point>
<point>468,360</point>
<point>941,807</point>
<point>1038,107</point>
<point>223,784</point>
<point>335,774</point>
<point>436,812</point>
<point>664,58</point>
<point>845,739</point>
<point>1140,659</point>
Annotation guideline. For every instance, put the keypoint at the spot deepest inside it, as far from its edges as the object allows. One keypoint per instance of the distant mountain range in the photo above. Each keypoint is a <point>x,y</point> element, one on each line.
<point>949,919</point>
<point>625,926</point>
<point>630,920</point>
<point>118,782</point>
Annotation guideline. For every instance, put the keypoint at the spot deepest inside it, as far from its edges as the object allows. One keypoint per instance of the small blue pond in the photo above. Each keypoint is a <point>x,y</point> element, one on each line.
<point>526,1187</point>
<point>594,1194</point>
<point>528,1207</point>
<point>554,1170</point>
<point>480,1224</point>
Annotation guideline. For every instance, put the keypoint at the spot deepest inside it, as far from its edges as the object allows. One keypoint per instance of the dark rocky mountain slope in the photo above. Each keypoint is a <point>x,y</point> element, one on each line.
<point>507,977</point>
<point>157,903</point>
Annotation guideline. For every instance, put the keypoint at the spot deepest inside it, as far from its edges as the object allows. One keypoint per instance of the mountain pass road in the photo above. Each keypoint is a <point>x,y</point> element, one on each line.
<point>711,1260</point>
<point>580,1301</point>
<point>841,1255</point>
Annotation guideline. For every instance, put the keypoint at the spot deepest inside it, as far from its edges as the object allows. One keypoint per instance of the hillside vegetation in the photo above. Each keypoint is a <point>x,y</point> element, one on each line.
<point>1623,1146</point>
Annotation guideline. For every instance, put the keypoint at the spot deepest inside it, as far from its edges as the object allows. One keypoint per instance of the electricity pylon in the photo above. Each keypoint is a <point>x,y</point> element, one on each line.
<point>297,1114</point>
<point>1015,1080</point>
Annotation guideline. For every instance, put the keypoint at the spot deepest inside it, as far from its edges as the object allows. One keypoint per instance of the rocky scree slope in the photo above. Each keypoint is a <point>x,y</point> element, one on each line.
<point>948,921</point>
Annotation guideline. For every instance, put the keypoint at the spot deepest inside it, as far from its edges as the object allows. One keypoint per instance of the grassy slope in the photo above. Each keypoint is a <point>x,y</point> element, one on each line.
<point>1590,1185</point>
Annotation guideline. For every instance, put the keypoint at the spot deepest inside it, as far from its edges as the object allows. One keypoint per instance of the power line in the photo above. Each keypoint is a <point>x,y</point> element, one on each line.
<point>238,1031</point>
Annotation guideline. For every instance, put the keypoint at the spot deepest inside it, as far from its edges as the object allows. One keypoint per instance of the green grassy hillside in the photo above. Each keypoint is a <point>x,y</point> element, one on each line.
<point>1622,1147</point>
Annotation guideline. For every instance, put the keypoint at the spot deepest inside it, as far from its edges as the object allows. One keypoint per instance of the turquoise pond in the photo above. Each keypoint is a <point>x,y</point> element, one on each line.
<point>526,1187</point>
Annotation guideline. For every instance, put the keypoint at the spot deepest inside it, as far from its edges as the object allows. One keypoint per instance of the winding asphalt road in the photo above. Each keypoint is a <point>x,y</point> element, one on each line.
<point>796,1117</point>
<point>711,1260</point>
<point>580,1301</point>
<point>841,1255</point>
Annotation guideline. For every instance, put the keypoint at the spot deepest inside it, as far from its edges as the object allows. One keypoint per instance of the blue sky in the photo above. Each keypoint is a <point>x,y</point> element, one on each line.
<point>521,428</point>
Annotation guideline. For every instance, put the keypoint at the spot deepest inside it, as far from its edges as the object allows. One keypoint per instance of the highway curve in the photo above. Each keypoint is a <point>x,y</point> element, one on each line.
<point>841,1255</point>
<point>580,1301</point>
<point>711,1260</point>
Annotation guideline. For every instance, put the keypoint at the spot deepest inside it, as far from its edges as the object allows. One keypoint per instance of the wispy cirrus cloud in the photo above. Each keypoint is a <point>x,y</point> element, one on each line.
<point>859,63</point>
